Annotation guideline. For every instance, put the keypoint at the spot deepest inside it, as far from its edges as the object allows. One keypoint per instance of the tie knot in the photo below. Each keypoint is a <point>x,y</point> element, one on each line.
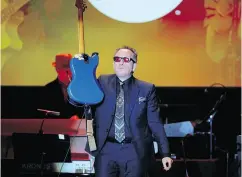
<point>121,83</point>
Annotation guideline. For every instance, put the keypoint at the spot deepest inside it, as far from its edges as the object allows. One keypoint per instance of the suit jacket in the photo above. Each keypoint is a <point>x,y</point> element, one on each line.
<point>141,116</point>
<point>53,99</point>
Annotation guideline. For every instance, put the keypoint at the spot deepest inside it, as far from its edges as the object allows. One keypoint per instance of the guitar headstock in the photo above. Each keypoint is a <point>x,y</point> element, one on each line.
<point>81,5</point>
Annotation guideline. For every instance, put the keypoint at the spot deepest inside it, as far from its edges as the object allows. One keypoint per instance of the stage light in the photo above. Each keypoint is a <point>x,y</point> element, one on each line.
<point>135,11</point>
<point>178,12</point>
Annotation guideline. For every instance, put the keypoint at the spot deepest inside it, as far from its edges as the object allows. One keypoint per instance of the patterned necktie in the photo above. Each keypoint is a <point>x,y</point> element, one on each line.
<point>119,116</point>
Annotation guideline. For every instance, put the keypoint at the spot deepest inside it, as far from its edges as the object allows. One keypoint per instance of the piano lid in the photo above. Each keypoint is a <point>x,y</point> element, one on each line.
<point>50,126</point>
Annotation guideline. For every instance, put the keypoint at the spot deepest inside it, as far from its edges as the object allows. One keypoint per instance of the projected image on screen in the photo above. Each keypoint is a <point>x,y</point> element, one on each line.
<point>187,47</point>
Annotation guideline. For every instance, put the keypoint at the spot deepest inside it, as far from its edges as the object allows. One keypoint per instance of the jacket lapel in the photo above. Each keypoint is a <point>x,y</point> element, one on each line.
<point>112,97</point>
<point>132,99</point>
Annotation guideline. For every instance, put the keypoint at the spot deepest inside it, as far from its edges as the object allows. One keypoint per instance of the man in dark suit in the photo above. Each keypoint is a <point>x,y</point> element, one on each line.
<point>55,97</point>
<point>125,122</point>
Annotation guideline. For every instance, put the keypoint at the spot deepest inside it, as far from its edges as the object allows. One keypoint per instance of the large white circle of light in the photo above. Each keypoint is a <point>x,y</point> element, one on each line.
<point>135,11</point>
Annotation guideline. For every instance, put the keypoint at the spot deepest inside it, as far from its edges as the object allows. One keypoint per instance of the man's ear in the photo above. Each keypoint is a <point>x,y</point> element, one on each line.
<point>113,65</point>
<point>134,67</point>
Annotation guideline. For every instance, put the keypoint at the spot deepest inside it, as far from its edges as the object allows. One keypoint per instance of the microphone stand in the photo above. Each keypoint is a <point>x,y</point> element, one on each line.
<point>184,156</point>
<point>41,132</point>
<point>213,112</point>
<point>41,126</point>
<point>210,120</point>
<point>47,112</point>
<point>42,151</point>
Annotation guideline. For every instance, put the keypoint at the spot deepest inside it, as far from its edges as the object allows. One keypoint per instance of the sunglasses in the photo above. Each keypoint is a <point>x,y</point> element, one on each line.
<point>125,59</point>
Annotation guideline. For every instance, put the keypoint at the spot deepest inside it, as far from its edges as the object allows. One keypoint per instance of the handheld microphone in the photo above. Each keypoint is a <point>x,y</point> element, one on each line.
<point>219,101</point>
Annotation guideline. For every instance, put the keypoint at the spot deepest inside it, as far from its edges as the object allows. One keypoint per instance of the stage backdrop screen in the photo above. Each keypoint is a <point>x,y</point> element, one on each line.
<point>196,44</point>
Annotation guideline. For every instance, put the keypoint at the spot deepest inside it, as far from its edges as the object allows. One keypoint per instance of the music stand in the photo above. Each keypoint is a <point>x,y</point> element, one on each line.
<point>41,148</point>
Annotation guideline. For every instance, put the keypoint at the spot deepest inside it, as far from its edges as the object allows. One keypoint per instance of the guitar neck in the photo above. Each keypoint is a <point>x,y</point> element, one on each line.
<point>81,32</point>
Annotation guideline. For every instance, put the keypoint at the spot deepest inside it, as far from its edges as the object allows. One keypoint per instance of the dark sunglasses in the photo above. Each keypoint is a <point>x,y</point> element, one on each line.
<point>125,59</point>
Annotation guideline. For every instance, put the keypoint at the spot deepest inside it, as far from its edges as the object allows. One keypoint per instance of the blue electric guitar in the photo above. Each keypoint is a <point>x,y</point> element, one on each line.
<point>84,88</point>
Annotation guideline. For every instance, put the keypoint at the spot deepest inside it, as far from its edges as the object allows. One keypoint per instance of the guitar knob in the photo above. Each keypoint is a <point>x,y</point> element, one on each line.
<point>94,53</point>
<point>85,56</point>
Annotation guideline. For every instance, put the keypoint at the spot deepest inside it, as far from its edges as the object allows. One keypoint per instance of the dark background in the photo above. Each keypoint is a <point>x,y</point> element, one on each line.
<point>177,104</point>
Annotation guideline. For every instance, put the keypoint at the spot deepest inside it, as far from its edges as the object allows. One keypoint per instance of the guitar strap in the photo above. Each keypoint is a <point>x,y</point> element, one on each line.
<point>90,134</point>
